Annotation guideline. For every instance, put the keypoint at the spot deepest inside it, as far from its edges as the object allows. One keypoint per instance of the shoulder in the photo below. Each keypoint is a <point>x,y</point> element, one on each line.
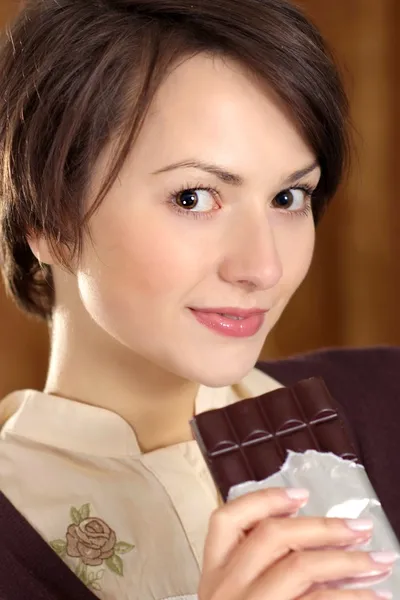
<point>377,363</point>
<point>366,383</point>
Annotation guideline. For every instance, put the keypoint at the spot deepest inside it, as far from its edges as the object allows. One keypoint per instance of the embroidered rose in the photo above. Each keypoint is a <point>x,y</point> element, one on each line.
<point>92,541</point>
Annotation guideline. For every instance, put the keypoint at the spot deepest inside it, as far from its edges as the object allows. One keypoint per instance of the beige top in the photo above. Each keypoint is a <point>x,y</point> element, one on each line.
<point>130,525</point>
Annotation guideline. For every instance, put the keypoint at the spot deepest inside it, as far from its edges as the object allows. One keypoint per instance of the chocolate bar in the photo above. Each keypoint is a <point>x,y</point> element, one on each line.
<point>250,439</point>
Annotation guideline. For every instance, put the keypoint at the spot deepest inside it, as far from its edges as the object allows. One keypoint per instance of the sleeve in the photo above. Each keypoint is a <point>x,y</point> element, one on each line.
<point>28,566</point>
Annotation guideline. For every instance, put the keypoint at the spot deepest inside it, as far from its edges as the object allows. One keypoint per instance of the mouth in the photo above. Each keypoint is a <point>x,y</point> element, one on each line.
<point>231,322</point>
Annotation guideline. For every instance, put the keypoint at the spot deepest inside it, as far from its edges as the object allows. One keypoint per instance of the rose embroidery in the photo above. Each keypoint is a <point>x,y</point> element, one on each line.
<point>93,543</point>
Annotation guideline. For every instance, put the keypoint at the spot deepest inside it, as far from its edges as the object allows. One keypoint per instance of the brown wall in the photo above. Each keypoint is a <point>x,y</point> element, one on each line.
<point>352,292</point>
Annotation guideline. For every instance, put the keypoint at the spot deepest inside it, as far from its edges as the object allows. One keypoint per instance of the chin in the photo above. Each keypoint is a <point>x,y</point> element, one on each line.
<point>219,373</point>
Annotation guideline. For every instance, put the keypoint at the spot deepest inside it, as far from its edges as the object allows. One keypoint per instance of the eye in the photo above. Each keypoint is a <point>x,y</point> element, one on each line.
<point>292,200</point>
<point>196,200</point>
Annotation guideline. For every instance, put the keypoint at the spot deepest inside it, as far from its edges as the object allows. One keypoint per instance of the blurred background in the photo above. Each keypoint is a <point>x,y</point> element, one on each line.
<point>352,294</point>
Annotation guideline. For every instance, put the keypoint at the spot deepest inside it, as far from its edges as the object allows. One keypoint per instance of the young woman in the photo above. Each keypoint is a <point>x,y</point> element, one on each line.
<point>163,166</point>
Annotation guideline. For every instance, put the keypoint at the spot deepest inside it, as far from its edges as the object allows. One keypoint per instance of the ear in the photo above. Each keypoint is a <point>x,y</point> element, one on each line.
<point>41,249</point>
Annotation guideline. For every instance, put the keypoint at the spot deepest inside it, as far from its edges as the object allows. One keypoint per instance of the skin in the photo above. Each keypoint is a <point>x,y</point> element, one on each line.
<point>123,336</point>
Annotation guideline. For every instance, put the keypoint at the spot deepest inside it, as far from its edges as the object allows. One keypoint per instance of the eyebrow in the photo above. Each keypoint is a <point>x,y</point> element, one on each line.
<point>232,178</point>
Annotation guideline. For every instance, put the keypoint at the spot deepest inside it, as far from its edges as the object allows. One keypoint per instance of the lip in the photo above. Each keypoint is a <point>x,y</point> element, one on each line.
<point>245,322</point>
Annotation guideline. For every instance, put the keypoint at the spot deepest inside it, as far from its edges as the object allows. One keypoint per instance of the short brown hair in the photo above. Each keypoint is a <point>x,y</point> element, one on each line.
<point>76,73</point>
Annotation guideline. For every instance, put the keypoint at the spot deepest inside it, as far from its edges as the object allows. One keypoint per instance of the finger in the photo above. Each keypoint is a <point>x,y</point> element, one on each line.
<point>359,583</point>
<point>273,539</point>
<point>356,583</point>
<point>347,595</point>
<point>229,524</point>
<point>299,572</point>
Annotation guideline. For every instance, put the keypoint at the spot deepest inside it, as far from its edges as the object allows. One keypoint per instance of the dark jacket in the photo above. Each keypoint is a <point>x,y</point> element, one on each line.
<point>366,383</point>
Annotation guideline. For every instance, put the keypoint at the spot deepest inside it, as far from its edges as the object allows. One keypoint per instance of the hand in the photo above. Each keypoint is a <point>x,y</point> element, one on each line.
<point>254,553</point>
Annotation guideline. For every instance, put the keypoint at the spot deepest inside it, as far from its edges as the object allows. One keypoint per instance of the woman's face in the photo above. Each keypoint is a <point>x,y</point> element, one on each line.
<point>208,230</point>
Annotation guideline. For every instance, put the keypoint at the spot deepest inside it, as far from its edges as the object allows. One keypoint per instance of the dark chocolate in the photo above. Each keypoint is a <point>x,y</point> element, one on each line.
<point>250,439</point>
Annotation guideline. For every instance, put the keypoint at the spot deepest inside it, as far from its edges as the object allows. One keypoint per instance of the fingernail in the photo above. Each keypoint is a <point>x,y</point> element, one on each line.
<point>376,573</point>
<point>297,494</point>
<point>360,524</point>
<point>384,558</point>
<point>384,595</point>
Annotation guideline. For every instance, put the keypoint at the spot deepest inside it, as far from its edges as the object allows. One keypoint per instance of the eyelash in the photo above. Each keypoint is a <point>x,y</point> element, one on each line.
<point>309,192</point>
<point>215,192</point>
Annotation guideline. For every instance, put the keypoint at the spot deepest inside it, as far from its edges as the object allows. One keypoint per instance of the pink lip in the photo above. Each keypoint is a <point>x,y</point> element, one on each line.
<point>247,323</point>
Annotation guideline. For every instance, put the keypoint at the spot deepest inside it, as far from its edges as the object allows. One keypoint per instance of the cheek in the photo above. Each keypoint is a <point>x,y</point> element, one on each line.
<point>296,249</point>
<point>140,257</point>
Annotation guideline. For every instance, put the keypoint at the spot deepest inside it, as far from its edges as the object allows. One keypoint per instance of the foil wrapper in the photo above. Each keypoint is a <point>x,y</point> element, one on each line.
<point>338,488</point>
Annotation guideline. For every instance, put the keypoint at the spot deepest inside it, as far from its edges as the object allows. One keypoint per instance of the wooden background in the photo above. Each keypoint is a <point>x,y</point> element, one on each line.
<point>352,294</point>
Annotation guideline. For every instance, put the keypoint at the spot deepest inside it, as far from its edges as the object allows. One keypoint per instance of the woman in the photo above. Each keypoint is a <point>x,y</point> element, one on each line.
<point>163,165</point>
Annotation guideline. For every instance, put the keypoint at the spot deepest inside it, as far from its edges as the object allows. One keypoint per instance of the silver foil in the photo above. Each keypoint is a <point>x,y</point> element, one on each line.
<point>338,488</point>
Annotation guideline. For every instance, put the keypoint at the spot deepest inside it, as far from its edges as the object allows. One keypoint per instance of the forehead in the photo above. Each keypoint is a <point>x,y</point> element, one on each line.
<point>212,109</point>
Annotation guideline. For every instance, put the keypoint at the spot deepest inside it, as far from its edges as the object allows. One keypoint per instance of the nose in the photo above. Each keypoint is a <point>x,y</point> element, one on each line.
<point>252,260</point>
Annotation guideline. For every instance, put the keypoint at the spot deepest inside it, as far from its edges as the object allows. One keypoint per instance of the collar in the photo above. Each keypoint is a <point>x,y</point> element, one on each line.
<point>86,429</point>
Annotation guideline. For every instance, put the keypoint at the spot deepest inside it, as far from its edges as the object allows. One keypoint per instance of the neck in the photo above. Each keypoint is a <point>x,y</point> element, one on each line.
<point>86,365</point>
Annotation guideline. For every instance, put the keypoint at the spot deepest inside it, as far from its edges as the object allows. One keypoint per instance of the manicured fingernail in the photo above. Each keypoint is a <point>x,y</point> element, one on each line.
<point>297,494</point>
<point>360,524</point>
<point>384,558</point>
<point>384,595</point>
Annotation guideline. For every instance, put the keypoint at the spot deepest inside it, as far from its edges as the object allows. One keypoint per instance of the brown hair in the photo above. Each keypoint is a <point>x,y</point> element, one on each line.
<point>76,73</point>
